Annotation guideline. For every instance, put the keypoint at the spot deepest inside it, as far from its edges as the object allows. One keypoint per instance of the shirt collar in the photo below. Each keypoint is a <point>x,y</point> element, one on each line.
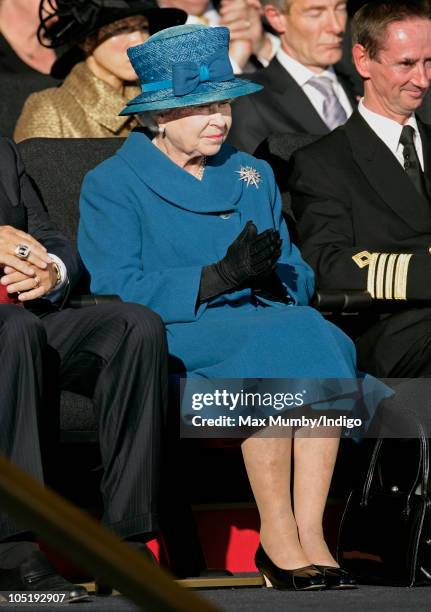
<point>386,129</point>
<point>299,72</point>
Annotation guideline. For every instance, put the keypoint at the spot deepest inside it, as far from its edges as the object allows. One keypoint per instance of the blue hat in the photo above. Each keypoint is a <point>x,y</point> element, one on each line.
<point>184,66</point>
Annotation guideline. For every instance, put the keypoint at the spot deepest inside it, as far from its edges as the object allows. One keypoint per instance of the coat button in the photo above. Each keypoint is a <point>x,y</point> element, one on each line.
<point>226,216</point>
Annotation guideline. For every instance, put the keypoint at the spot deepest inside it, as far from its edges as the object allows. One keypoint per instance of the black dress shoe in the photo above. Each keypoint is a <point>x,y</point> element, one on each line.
<point>103,589</point>
<point>337,577</point>
<point>306,578</point>
<point>37,574</point>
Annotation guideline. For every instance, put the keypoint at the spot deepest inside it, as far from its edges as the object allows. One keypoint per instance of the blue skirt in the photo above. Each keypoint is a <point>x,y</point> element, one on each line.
<point>254,341</point>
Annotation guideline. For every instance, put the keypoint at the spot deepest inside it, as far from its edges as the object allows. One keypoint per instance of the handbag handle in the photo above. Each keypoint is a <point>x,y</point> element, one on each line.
<point>423,467</point>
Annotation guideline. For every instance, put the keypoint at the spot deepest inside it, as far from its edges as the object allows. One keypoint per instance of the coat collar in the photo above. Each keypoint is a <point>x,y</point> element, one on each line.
<point>385,175</point>
<point>220,189</point>
<point>425,132</point>
<point>98,99</point>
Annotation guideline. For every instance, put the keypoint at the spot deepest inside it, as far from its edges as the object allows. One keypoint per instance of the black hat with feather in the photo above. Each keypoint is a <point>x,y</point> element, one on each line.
<point>66,24</point>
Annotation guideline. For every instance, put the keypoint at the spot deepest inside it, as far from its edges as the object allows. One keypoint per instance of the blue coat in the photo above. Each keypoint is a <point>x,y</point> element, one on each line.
<point>148,227</point>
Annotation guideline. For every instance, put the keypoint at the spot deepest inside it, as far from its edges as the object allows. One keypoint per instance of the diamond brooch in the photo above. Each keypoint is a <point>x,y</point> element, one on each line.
<point>250,175</point>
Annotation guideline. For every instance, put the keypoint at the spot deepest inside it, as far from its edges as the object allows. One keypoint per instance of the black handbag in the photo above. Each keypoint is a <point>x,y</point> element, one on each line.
<point>385,530</point>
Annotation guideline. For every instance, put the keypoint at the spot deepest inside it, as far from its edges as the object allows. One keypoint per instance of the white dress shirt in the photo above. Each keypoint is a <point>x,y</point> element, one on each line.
<point>301,74</point>
<point>389,131</point>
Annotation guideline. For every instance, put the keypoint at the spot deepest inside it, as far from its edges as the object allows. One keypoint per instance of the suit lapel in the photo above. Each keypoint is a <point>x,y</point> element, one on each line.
<point>425,132</point>
<point>9,182</point>
<point>385,174</point>
<point>5,205</point>
<point>11,213</point>
<point>286,95</point>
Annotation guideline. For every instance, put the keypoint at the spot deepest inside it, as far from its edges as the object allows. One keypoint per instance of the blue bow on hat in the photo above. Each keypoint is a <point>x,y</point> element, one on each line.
<point>186,76</point>
<point>182,66</point>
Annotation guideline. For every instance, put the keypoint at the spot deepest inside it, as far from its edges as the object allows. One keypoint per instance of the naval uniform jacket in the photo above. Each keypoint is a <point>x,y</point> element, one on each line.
<point>362,225</point>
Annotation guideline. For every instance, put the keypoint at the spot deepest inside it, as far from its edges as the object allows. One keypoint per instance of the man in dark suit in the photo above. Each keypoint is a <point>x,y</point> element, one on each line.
<point>303,92</point>
<point>362,194</point>
<point>114,354</point>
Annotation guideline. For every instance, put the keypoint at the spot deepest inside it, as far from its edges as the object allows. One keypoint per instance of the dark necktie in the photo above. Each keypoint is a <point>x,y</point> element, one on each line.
<point>412,165</point>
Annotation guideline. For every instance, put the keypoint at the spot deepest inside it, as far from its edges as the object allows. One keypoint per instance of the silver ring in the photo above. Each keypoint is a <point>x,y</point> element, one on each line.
<point>22,251</point>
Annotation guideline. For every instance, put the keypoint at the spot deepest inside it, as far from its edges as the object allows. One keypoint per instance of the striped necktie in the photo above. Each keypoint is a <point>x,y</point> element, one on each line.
<point>333,113</point>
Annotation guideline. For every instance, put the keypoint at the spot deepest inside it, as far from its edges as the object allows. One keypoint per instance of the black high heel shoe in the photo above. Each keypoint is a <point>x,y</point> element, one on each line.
<point>306,578</point>
<point>337,577</point>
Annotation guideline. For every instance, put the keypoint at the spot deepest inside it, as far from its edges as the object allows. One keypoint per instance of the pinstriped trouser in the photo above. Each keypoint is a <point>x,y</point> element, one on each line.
<point>116,354</point>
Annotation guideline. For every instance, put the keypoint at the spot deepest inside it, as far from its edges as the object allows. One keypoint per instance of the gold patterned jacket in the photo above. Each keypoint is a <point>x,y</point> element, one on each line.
<point>84,106</point>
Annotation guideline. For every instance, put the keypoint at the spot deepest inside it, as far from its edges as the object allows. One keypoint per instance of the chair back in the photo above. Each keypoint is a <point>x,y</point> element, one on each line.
<point>277,150</point>
<point>14,91</point>
<point>57,167</point>
<point>284,145</point>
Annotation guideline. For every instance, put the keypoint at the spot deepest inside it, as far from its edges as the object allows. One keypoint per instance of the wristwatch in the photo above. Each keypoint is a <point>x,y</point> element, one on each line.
<point>57,271</point>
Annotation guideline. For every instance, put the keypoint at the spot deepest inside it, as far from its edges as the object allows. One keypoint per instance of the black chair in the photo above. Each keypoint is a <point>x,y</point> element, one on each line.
<point>14,91</point>
<point>277,149</point>
<point>57,168</point>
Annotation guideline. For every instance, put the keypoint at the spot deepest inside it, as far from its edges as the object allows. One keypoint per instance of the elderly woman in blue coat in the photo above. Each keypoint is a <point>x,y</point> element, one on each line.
<point>193,228</point>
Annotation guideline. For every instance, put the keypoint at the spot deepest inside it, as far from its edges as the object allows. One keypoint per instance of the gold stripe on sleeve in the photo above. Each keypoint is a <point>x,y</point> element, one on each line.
<point>380,275</point>
<point>401,271</point>
<point>389,280</point>
<point>372,274</point>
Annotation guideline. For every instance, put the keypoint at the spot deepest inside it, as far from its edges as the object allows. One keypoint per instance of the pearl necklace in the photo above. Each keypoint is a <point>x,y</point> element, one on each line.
<point>200,171</point>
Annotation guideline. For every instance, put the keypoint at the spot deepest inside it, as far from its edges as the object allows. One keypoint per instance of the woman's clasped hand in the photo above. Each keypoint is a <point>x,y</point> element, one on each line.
<point>250,256</point>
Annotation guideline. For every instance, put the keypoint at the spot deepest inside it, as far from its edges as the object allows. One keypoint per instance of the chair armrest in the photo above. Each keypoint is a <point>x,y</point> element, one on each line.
<point>82,301</point>
<point>342,301</point>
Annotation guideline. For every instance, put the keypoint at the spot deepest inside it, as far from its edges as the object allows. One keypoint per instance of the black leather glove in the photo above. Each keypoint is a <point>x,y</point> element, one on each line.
<point>271,288</point>
<point>250,256</point>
